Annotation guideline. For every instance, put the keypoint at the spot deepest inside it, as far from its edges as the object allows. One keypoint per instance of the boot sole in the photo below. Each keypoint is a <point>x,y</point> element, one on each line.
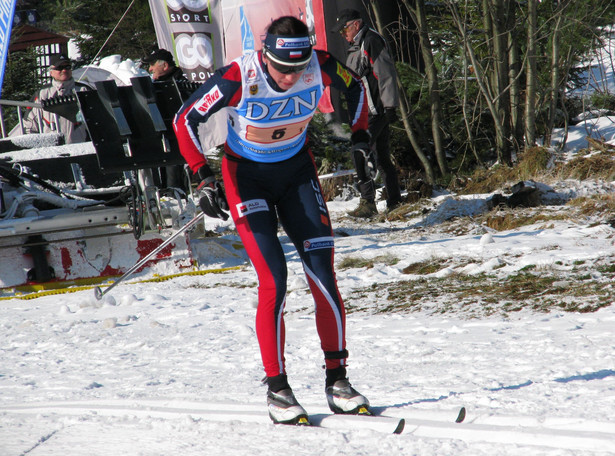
<point>301,420</point>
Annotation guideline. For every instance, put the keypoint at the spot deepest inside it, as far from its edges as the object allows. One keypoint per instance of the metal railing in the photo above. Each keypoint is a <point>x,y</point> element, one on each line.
<point>20,105</point>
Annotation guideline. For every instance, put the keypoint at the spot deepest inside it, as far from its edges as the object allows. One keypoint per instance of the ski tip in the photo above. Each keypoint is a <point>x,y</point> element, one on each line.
<point>98,293</point>
<point>400,426</point>
<point>461,416</point>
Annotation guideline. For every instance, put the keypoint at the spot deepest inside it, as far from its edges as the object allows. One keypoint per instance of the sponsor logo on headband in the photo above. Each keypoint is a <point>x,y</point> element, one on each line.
<point>294,43</point>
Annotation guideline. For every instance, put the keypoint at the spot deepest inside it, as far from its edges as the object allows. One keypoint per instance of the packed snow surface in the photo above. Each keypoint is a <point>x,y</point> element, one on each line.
<point>156,368</point>
<point>173,367</point>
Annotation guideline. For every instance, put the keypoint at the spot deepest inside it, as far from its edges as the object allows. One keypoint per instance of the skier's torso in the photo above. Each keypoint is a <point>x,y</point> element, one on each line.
<point>267,125</point>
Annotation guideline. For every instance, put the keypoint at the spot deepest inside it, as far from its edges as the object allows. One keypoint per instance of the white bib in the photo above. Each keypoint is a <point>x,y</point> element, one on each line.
<point>270,126</point>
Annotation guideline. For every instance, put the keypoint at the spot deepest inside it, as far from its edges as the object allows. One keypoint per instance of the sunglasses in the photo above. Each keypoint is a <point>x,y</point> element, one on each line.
<point>284,69</point>
<point>63,67</point>
<point>346,27</point>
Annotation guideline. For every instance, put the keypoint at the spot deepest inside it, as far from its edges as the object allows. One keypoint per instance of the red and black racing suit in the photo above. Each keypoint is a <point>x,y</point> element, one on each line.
<point>262,191</point>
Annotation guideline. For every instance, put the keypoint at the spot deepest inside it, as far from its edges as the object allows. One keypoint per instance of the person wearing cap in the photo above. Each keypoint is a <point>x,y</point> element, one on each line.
<point>369,58</point>
<point>62,84</point>
<point>270,176</point>
<point>162,66</point>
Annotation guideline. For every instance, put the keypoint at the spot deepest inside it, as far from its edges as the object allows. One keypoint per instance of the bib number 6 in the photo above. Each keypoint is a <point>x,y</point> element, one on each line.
<point>269,135</point>
<point>278,134</point>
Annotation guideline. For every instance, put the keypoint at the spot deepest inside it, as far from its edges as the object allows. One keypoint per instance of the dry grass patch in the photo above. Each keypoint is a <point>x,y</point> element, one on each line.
<point>481,295</point>
<point>539,163</point>
<point>532,163</point>
<point>360,262</point>
<point>424,267</point>
<point>510,219</point>
<point>595,205</point>
<point>597,166</point>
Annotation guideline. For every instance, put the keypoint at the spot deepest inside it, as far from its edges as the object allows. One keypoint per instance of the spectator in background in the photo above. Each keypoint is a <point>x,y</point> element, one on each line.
<point>369,58</point>
<point>162,66</point>
<point>62,84</point>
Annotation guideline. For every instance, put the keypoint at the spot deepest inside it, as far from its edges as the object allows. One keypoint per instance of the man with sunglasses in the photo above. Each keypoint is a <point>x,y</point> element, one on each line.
<point>62,84</point>
<point>369,58</point>
<point>269,177</point>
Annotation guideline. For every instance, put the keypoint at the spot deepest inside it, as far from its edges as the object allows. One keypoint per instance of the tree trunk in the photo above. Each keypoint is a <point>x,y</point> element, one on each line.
<point>405,111</point>
<point>554,88</point>
<point>502,100</point>
<point>531,75</point>
<point>420,19</point>
<point>481,80</point>
<point>515,65</point>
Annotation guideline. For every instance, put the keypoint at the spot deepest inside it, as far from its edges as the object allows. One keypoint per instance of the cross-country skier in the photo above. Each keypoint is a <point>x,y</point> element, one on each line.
<point>269,174</point>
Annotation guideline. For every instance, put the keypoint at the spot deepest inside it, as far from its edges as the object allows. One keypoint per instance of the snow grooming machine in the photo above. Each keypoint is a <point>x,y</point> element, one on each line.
<point>56,230</point>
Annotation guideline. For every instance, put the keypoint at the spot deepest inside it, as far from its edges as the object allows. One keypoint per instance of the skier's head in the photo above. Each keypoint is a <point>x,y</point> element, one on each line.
<point>287,45</point>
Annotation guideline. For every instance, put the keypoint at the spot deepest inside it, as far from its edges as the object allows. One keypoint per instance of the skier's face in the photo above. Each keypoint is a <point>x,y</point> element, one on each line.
<point>284,80</point>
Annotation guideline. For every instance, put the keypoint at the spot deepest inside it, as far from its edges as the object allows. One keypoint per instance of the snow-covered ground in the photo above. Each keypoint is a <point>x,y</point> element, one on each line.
<point>173,367</point>
<point>153,367</point>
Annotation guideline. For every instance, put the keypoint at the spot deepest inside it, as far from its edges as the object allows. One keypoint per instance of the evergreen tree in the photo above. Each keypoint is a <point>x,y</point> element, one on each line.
<point>103,27</point>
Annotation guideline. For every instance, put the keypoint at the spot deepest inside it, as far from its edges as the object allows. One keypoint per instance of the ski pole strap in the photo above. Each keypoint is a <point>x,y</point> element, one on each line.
<point>342,354</point>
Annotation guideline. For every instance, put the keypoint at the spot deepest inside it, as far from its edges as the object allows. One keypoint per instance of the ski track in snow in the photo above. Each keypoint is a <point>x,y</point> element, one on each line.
<point>136,373</point>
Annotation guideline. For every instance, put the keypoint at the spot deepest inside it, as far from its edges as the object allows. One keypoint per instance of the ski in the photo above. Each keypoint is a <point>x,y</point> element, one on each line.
<point>380,421</point>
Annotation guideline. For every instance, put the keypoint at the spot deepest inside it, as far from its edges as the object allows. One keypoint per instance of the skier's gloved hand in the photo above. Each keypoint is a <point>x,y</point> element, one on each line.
<point>391,114</point>
<point>213,201</point>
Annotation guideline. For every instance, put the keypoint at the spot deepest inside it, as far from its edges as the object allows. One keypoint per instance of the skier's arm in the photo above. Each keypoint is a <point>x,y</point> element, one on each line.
<point>221,90</point>
<point>336,74</point>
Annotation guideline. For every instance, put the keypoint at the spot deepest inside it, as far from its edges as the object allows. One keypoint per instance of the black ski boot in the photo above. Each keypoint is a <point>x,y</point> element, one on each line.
<point>282,404</point>
<point>342,397</point>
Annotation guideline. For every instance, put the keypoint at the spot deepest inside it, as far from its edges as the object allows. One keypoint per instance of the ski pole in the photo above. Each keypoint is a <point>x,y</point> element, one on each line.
<point>99,293</point>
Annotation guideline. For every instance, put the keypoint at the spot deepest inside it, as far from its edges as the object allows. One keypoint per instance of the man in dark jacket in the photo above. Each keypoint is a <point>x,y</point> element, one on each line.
<point>162,66</point>
<point>369,58</point>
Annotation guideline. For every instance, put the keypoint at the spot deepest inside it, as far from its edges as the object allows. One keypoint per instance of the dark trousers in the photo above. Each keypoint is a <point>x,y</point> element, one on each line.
<point>380,131</point>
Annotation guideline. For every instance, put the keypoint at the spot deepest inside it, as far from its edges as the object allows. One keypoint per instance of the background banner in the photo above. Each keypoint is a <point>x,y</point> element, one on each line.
<point>190,30</point>
<point>7,11</point>
<point>205,35</point>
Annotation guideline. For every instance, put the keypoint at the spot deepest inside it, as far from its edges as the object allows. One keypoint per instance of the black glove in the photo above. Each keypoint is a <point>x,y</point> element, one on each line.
<point>391,114</point>
<point>213,201</point>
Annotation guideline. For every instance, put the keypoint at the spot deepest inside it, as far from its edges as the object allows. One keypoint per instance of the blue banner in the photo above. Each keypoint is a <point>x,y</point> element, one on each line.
<point>7,11</point>
<point>247,38</point>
